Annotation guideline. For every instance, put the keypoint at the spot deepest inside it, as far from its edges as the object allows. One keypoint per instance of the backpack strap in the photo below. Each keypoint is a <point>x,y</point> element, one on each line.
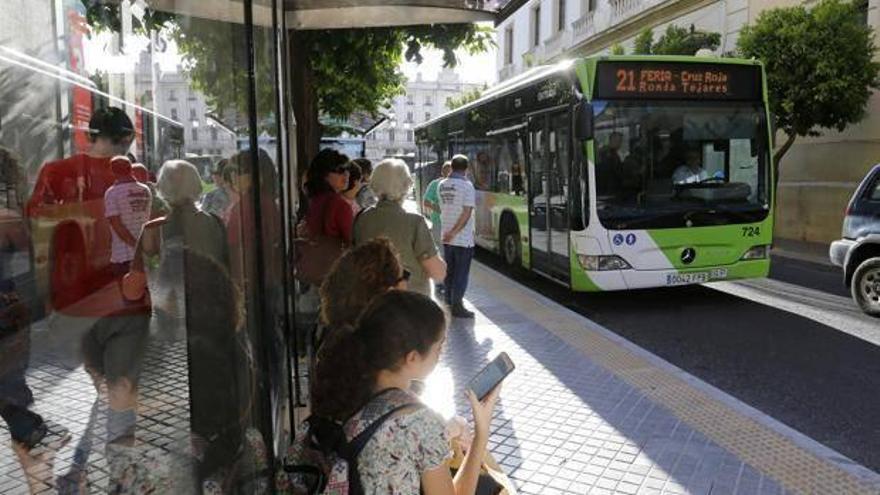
<point>353,449</point>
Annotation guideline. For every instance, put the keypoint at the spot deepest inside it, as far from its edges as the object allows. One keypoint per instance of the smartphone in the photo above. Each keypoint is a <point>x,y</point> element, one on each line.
<point>490,376</point>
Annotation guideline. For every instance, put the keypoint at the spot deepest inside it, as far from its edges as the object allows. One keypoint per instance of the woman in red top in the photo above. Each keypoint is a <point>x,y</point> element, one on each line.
<point>329,214</point>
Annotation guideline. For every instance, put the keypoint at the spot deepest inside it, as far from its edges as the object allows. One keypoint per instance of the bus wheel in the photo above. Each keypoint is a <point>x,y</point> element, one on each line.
<point>866,286</point>
<point>510,245</point>
<point>69,269</point>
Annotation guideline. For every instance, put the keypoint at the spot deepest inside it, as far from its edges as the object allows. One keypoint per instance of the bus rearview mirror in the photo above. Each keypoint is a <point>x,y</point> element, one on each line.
<point>583,121</point>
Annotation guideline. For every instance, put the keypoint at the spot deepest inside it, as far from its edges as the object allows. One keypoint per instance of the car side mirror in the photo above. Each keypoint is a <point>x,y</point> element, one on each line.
<point>583,121</point>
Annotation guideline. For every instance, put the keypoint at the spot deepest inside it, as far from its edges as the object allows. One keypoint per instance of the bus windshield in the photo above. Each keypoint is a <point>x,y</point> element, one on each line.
<point>680,164</point>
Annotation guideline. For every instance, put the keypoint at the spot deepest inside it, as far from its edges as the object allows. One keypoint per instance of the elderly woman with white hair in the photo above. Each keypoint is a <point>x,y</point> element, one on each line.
<point>163,240</point>
<point>391,182</point>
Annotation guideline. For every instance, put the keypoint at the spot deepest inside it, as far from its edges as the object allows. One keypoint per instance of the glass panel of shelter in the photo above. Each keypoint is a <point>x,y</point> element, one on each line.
<point>165,343</point>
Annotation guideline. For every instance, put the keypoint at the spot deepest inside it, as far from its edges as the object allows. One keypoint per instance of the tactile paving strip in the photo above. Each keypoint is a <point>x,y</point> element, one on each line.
<point>797,468</point>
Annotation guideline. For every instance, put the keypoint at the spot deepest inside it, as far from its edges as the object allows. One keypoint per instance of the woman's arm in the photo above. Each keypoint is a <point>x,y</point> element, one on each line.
<point>436,481</point>
<point>435,267</point>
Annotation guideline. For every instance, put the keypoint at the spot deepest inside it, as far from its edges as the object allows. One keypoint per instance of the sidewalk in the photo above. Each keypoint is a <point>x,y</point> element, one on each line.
<point>66,396</point>
<point>587,412</point>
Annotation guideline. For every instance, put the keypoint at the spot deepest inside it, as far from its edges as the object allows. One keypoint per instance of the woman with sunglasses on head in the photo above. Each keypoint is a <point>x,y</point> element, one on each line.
<point>358,277</point>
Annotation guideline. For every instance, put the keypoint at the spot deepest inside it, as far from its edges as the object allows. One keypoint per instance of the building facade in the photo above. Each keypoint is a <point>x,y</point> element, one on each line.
<point>203,132</point>
<point>422,101</point>
<point>817,176</point>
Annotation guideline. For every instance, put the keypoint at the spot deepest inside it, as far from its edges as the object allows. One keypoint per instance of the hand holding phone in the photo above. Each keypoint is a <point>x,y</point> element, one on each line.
<point>489,377</point>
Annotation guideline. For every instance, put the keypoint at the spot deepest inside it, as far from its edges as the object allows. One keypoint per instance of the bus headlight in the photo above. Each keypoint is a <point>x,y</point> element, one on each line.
<point>755,253</point>
<point>602,263</point>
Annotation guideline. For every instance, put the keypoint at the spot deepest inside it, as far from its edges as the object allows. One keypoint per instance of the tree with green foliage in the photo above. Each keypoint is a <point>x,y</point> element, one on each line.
<point>820,65</point>
<point>617,49</point>
<point>357,70</point>
<point>464,98</point>
<point>680,41</point>
<point>338,72</point>
<point>644,42</point>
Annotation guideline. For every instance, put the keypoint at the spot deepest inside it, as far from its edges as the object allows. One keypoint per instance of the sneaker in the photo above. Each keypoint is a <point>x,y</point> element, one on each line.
<point>459,311</point>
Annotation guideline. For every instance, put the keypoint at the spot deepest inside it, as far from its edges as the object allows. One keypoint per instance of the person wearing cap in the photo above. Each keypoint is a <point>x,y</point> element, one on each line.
<point>127,207</point>
<point>92,322</point>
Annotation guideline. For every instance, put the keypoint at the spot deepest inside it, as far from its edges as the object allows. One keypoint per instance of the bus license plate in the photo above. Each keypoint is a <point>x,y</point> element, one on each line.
<point>696,277</point>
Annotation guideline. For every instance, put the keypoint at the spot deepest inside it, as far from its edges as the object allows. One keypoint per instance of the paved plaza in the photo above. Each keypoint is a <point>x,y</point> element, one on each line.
<point>585,412</point>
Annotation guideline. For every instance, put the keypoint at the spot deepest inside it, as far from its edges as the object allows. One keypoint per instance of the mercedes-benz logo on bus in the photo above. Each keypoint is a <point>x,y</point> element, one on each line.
<point>688,255</point>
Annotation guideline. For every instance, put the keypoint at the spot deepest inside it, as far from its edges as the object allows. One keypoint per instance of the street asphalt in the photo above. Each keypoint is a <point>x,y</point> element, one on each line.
<point>793,346</point>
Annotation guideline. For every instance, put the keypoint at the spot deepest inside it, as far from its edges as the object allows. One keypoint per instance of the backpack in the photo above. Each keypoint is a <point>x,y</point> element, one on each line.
<point>323,459</point>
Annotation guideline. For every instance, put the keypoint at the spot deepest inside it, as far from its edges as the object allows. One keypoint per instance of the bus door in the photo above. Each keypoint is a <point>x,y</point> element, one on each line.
<point>549,156</point>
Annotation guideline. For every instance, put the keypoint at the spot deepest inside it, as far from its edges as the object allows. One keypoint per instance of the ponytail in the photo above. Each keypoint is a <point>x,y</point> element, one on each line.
<point>393,325</point>
<point>342,381</point>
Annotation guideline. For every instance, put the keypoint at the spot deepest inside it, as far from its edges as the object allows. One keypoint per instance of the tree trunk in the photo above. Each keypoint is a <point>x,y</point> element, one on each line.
<point>305,101</point>
<point>777,157</point>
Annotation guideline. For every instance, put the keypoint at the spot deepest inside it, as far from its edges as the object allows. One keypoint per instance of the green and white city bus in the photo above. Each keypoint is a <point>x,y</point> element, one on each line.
<point>619,172</point>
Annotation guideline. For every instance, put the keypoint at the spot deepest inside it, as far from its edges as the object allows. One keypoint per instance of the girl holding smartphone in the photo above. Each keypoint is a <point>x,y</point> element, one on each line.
<point>398,339</point>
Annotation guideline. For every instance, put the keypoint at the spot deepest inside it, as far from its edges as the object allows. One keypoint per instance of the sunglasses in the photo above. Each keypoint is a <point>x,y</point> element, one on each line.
<point>405,277</point>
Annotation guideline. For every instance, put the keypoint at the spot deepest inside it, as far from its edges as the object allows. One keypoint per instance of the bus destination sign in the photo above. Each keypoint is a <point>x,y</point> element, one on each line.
<point>670,80</point>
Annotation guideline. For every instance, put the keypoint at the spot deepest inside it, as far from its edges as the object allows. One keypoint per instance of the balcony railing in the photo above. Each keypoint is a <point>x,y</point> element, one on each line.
<point>623,9</point>
<point>583,27</point>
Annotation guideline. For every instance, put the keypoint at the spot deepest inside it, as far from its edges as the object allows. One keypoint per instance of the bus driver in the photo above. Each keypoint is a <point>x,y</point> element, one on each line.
<point>692,171</point>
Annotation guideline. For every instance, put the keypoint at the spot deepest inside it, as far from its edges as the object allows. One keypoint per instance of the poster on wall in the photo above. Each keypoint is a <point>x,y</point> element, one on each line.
<point>81,98</point>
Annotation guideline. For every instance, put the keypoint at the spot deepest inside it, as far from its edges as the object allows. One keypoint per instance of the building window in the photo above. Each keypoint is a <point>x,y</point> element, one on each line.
<point>427,116</point>
<point>409,136</point>
<point>560,15</point>
<point>195,133</point>
<point>213,134</point>
<point>410,100</point>
<point>428,101</point>
<point>536,26</point>
<point>192,114</point>
<point>508,45</point>
<point>591,5</point>
<point>391,134</point>
<point>409,117</point>
<point>173,114</point>
<point>172,96</point>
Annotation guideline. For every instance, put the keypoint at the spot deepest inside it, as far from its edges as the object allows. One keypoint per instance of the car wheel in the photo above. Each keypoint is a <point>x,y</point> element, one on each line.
<point>866,286</point>
<point>510,246</point>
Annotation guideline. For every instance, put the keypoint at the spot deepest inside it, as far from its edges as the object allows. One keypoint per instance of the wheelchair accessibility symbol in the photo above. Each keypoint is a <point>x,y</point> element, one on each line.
<point>618,239</point>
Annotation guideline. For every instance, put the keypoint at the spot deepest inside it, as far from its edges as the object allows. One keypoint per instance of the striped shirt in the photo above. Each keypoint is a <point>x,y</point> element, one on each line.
<point>130,201</point>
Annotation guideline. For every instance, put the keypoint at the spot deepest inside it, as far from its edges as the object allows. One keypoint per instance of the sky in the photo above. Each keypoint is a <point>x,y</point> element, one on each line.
<point>471,68</point>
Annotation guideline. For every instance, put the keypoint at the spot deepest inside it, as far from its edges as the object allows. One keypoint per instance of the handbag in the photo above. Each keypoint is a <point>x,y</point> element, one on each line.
<point>314,255</point>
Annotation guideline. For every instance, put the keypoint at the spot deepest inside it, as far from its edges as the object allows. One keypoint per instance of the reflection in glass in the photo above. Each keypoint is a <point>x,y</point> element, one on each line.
<point>148,318</point>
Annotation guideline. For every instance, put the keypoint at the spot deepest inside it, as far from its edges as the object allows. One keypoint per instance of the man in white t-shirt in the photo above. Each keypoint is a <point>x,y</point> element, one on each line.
<point>127,207</point>
<point>457,202</point>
